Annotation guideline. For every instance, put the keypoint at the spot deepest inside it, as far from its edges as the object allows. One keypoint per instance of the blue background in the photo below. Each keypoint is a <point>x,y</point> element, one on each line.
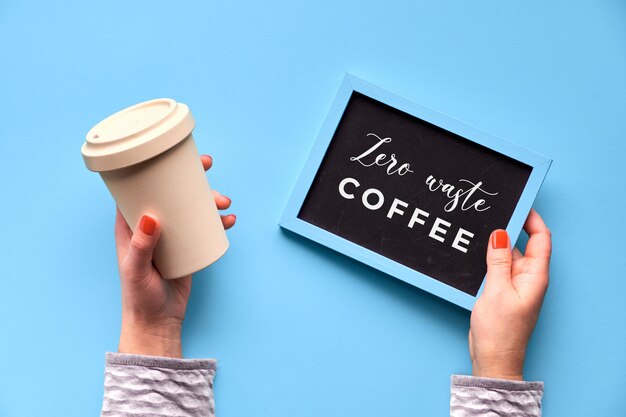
<point>298,329</point>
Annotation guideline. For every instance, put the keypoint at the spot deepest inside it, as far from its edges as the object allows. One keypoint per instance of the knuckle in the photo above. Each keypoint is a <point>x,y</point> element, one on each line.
<point>126,270</point>
<point>132,272</point>
<point>140,245</point>
<point>500,262</point>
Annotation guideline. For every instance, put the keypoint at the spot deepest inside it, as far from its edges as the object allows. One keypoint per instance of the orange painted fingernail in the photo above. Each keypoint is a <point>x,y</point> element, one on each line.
<point>499,239</point>
<point>206,161</point>
<point>147,225</point>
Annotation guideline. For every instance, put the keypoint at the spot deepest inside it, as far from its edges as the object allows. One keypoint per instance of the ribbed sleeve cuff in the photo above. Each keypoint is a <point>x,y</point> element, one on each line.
<point>492,383</point>
<point>160,362</point>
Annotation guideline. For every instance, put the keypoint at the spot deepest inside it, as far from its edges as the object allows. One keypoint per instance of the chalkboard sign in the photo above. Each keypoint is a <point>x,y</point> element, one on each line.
<point>412,192</point>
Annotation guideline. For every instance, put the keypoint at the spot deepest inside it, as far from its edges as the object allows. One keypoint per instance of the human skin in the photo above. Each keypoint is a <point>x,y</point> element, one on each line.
<point>505,314</point>
<point>501,324</point>
<point>153,308</point>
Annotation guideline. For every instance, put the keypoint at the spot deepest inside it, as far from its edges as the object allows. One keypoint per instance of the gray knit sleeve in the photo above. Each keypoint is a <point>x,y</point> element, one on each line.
<point>473,397</point>
<point>154,386</point>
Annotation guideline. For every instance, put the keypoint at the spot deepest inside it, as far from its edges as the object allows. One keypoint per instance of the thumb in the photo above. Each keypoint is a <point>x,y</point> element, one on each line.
<point>142,244</point>
<point>498,261</point>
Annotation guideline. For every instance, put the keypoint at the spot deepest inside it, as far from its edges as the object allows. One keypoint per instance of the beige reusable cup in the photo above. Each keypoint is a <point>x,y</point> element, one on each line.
<point>148,159</point>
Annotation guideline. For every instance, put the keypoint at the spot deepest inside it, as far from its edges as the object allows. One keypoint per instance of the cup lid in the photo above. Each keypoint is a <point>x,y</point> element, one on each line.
<point>136,134</point>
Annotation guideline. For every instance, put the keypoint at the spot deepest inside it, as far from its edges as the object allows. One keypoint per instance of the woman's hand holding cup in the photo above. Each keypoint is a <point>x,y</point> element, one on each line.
<point>153,308</point>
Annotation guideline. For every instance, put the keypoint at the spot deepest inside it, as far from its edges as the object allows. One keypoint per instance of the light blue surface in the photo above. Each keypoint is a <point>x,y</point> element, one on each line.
<point>300,330</point>
<point>350,84</point>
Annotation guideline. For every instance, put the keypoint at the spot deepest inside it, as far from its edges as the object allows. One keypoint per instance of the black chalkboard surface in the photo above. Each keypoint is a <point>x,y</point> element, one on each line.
<point>413,192</point>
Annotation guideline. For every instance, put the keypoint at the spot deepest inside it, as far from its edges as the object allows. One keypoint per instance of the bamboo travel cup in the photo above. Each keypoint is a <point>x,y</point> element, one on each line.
<point>147,157</point>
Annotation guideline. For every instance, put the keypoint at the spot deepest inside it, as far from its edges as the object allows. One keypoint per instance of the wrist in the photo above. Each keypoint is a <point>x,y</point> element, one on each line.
<point>499,370</point>
<point>152,339</point>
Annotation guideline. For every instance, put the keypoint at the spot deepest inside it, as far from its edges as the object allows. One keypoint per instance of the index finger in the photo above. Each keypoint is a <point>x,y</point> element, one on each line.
<point>539,244</point>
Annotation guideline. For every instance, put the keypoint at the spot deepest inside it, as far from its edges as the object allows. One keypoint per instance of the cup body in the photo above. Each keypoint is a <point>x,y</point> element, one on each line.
<point>173,187</point>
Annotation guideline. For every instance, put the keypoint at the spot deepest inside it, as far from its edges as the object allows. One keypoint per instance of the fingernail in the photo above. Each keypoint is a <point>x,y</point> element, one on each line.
<point>229,200</point>
<point>147,225</point>
<point>499,239</point>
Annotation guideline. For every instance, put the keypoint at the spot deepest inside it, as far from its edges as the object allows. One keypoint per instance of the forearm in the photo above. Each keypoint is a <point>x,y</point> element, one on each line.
<point>153,385</point>
<point>474,396</point>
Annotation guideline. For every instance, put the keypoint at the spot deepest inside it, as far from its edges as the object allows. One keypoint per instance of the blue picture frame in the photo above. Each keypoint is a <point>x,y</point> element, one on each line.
<point>290,221</point>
